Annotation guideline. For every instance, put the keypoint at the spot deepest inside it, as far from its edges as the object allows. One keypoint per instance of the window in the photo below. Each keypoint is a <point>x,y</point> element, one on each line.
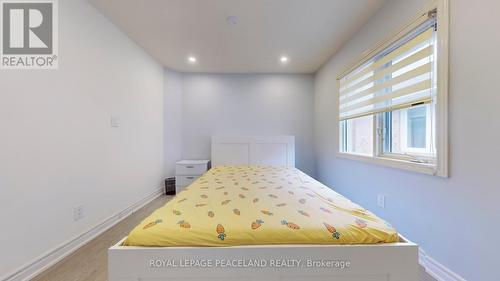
<point>392,104</point>
<point>359,133</point>
<point>409,132</point>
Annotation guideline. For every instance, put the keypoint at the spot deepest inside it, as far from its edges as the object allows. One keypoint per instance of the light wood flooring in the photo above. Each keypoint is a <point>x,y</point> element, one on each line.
<point>90,262</point>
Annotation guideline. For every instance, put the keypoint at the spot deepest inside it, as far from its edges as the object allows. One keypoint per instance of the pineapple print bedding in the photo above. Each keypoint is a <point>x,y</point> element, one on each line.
<point>256,205</point>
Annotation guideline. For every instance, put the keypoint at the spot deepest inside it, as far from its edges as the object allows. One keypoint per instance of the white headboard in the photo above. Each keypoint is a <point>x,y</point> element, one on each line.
<point>238,150</point>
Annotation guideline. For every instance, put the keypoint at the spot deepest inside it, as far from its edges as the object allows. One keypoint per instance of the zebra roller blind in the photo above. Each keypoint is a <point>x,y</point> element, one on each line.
<point>399,76</point>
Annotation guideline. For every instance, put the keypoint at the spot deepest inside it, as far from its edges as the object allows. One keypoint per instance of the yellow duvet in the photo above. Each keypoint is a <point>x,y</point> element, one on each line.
<point>255,205</point>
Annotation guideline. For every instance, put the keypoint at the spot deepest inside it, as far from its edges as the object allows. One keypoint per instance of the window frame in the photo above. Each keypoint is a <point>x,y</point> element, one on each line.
<point>438,167</point>
<point>408,130</point>
<point>414,153</point>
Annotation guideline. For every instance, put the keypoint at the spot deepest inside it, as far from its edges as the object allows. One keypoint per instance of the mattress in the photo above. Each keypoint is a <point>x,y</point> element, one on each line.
<point>259,205</point>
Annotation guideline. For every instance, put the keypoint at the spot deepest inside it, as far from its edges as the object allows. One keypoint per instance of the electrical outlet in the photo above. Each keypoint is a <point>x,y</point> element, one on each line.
<point>381,200</point>
<point>78,213</point>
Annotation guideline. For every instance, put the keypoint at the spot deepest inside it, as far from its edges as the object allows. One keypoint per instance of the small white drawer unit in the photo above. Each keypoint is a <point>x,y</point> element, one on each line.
<point>187,171</point>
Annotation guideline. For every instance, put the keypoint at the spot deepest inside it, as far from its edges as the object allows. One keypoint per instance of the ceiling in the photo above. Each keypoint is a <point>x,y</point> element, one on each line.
<point>254,38</point>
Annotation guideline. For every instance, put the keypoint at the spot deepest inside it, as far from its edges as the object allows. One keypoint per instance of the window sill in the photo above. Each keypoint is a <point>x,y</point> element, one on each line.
<point>423,168</point>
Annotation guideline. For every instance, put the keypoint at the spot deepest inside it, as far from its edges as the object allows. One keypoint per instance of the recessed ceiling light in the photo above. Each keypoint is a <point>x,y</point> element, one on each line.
<point>192,59</point>
<point>284,59</point>
<point>232,20</point>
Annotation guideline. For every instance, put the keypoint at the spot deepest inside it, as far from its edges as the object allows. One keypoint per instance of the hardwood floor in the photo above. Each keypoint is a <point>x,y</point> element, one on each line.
<point>90,262</point>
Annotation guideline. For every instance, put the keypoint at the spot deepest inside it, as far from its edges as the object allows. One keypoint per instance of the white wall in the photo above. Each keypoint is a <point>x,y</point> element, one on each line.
<point>57,149</point>
<point>248,104</point>
<point>172,120</point>
<point>455,220</point>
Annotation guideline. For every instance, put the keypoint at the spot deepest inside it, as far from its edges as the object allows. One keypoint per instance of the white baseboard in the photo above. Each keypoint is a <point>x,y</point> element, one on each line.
<point>437,270</point>
<point>53,256</point>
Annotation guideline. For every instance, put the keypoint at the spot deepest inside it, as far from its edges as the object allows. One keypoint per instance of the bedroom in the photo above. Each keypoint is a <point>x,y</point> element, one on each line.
<point>98,110</point>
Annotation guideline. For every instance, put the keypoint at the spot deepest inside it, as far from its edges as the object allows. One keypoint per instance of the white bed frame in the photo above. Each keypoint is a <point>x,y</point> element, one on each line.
<point>377,262</point>
<point>238,150</point>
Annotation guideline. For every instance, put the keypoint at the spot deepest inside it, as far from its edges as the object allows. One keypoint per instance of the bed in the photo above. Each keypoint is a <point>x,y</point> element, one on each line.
<point>254,216</point>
